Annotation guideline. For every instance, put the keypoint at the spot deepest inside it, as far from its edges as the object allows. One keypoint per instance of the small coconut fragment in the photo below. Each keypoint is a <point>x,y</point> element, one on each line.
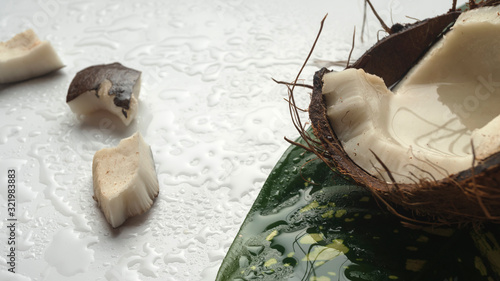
<point>125,180</point>
<point>112,87</point>
<point>25,56</point>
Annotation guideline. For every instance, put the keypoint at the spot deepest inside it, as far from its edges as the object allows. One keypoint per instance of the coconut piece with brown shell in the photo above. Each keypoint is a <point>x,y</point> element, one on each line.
<point>411,146</point>
<point>111,87</point>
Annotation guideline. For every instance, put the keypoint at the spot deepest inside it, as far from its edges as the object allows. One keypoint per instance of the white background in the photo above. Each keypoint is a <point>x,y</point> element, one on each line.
<point>208,107</point>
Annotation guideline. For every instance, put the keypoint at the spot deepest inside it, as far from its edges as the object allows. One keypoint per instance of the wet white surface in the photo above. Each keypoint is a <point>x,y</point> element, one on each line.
<point>208,107</point>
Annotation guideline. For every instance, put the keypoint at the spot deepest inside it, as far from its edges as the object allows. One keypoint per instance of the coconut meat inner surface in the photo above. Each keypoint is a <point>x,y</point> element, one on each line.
<point>124,179</point>
<point>425,127</point>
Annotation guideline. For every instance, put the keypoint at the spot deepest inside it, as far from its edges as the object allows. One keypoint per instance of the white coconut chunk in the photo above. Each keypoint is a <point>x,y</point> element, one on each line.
<point>125,180</point>
<point>425,127</point>
<point>25,56</point>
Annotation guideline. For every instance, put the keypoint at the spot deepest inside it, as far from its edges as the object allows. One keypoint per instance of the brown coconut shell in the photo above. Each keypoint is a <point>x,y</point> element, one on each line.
<point>471,196</point>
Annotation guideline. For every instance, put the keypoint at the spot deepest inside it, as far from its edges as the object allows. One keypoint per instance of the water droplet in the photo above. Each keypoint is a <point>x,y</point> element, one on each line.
<point>132,263</point>
<point>8,131</point>
<point>255,250</point>
<point>178,257</point>
<point>69,253</point>
<point>102,41</point>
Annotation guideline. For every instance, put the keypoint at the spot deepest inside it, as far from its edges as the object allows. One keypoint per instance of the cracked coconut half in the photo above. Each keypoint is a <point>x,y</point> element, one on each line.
<point>420,126</point>
<point>125,180</point>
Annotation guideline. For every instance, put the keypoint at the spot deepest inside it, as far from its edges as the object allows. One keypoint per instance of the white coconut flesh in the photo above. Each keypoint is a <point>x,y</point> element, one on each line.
<point>444,111</point>
<point>125,180</point>
<point>25,56</point>
<point>95,100</point>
